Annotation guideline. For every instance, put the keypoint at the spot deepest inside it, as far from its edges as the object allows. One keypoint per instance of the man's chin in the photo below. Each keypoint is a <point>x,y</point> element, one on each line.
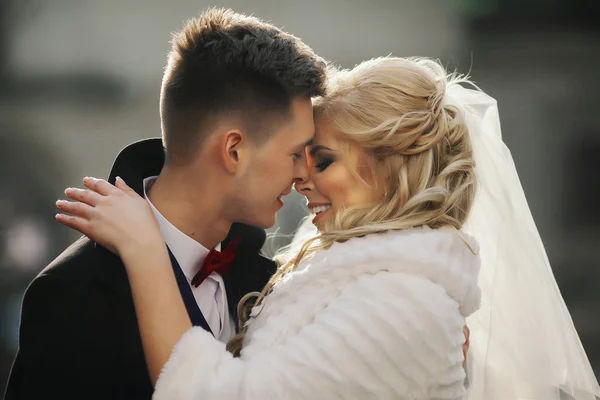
<point>263,223</point>
<point>268,224</point>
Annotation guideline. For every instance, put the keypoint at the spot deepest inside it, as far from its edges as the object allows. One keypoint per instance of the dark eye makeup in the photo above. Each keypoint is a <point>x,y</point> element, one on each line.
<point>323,162</point>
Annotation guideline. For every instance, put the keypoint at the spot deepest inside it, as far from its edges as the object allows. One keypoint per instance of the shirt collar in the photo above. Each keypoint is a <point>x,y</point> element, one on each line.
<point>189,253</point>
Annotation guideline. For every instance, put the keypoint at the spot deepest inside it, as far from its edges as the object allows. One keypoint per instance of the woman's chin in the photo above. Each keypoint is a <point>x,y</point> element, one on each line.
<point>319,221</point>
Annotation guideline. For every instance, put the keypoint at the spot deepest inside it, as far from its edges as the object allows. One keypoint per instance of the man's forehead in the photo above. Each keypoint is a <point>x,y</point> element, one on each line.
<point>306,141</point>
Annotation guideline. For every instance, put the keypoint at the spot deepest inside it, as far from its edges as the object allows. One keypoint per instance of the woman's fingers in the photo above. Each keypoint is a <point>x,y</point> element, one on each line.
<point>80,224</point>
<point>76,208</point>
<point>120,183</point>
<point>99,186</point>
<point>85,196</point>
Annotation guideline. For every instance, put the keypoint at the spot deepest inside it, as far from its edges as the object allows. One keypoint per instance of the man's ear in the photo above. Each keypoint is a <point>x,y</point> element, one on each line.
<point>232,146</point>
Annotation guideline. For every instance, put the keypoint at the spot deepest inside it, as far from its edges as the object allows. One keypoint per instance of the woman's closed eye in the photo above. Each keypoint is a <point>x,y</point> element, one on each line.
<point>323,163</point>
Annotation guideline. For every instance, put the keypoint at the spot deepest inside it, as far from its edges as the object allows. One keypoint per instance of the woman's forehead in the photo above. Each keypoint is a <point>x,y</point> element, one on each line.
<point>325,133</point>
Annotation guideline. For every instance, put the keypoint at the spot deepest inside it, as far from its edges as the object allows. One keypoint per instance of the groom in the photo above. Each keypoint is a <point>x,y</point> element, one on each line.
<point>236,94</point>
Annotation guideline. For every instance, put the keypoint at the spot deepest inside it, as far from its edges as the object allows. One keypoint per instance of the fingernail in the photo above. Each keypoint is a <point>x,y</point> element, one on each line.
<point>119,179</point>
<point>60,202</point>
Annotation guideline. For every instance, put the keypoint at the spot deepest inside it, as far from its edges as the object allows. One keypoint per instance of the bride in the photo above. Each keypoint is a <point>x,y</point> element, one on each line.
<point>407,170</point>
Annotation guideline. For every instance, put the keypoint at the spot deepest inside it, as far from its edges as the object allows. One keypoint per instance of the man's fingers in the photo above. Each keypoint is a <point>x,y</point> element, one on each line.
<point>85,196</point>
<point>99,186</point>
<point>80,224</point>
<point>76,208</point>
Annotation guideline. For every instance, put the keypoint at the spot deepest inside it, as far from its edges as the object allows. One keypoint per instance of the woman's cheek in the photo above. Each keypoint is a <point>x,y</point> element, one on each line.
<point>331,185</point>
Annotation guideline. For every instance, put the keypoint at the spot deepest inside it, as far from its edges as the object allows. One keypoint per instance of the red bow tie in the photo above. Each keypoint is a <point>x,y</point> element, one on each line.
<point>217,261</point>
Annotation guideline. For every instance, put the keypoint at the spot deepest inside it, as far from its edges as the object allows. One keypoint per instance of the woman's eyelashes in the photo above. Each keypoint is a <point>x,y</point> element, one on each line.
<point>322,163</point>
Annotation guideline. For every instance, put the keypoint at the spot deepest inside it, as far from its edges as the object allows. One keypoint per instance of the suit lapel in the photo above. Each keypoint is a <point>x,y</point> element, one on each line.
<point>250,271</point>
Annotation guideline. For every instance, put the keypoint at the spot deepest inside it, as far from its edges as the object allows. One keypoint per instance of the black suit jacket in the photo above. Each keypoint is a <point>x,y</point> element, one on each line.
<point>79,337</point>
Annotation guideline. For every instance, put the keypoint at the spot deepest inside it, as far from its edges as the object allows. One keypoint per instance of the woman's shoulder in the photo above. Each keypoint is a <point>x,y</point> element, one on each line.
<point>443,257</point>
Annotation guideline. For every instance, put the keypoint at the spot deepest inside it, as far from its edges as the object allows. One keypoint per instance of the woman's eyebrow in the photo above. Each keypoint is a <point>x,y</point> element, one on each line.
<point>315,149</point>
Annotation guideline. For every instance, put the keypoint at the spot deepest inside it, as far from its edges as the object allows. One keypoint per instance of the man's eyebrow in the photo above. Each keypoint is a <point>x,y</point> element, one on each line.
<point>305,144</point>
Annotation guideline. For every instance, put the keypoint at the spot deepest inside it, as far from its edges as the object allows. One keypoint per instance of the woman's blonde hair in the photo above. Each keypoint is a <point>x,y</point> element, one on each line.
<point>393,110</point>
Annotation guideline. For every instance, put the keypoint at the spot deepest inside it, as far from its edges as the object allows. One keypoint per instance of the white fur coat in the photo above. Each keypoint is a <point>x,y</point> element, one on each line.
<point>378,317</point>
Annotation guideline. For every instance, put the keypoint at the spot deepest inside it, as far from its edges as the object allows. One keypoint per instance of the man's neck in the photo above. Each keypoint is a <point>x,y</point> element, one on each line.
<point>193,214</point>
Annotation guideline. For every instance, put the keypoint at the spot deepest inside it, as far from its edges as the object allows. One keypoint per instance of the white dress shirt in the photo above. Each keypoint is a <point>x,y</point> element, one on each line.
<point>210,295</point>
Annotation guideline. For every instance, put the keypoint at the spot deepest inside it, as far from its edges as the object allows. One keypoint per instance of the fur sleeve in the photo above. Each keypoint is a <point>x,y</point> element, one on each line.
<point>388,335</point>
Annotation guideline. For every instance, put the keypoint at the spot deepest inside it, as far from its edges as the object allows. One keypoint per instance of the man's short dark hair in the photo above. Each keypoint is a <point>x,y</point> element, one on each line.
<point>228,64</point>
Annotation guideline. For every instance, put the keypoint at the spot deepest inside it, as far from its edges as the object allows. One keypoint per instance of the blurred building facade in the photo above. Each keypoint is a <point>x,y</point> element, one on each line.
<point>80,79</point>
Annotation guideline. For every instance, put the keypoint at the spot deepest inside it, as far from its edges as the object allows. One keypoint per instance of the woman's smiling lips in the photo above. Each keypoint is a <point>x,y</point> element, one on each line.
<point>318,210</point>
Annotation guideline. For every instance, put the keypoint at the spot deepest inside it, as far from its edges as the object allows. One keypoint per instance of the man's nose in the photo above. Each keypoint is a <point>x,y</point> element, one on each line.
<point>303,186</point>
<point>301,173</point>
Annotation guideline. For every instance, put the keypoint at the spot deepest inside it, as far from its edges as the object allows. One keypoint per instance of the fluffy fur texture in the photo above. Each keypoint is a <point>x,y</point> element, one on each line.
<point>376,317</point>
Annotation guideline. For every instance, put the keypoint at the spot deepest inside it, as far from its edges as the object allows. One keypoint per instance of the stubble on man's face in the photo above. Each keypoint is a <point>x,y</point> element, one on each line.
<point>274,167</point>
<point>259,188</point>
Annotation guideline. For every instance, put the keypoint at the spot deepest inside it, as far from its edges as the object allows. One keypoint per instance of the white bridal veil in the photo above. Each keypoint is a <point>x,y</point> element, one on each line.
<point>523,342</point>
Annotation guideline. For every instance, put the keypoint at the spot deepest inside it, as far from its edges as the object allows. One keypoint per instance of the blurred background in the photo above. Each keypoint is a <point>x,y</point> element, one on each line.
<point>79,79</point>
